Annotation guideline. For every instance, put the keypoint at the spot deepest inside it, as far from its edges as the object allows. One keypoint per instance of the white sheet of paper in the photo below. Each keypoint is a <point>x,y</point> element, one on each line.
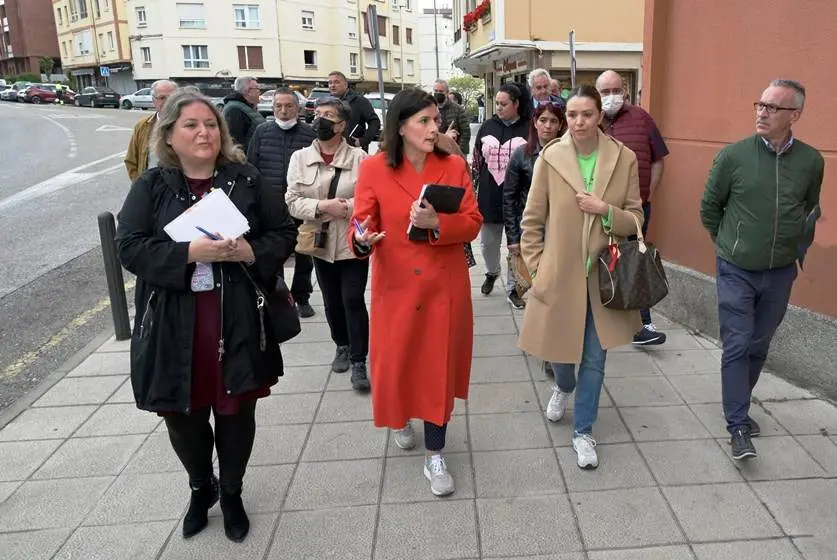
<point>215,213</point>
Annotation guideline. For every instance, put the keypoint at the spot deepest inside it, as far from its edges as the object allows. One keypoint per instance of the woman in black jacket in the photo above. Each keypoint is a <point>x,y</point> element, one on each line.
<point>496,140</point>
<point>549,123</point>
<point>196,343</point>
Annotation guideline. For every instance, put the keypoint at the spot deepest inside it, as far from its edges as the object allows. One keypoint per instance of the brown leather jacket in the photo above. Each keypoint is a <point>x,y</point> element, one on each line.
<point>136,159</point>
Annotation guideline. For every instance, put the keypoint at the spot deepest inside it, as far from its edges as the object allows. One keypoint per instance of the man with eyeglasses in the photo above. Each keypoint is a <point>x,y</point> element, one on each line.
<point>140,155</point>
<point>759,206</point>
<point>240,110</point>
<point>634,127</point>
<point>270,151</point>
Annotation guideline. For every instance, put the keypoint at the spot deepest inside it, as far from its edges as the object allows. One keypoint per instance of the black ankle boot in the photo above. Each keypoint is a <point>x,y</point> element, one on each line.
<point>236,523</point>
<point>203,498</point>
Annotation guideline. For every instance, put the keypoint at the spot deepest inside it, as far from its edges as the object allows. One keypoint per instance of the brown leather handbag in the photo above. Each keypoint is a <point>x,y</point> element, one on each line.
<point>312,239</point>
<point>631,274</point>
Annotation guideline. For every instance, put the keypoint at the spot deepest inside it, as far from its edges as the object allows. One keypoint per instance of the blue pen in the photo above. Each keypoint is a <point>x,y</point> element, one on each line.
<point>206,233</point>
<point>358,228</point>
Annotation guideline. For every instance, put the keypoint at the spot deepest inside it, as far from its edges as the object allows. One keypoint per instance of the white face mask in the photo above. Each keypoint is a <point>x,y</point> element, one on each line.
<point>285,125</point>
<point>612,104</point>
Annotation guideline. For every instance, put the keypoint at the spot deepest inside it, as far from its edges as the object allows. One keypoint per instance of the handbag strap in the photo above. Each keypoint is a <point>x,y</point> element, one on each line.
<point>332,187</point>
<point>260,301</point>
<point>639,237</point>
<point>332,192</point>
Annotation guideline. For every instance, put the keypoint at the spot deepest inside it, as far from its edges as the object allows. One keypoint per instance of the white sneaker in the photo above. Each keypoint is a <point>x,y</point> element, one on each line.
<point>557,406</point>
<point>436,471</point>
<point>405,438</point>
<point>585,448</point>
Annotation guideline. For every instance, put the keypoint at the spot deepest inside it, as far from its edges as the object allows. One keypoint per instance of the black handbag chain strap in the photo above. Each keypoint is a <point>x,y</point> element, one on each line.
<point>332,192</point>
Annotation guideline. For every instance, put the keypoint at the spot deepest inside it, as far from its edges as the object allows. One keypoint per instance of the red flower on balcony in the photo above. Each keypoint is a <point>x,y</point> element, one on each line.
<point>470,19</point>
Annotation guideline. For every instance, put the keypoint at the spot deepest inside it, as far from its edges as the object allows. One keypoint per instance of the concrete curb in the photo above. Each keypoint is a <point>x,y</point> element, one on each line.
<point>24,402</point>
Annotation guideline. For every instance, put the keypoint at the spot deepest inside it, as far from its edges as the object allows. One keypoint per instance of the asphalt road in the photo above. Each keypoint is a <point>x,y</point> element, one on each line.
<point>60,166</point>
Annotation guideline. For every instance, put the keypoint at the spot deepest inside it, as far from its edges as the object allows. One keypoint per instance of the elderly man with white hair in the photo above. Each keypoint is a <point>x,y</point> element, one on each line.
<point>240,110</point>
<point>140,156</point>
<point>540,84</point>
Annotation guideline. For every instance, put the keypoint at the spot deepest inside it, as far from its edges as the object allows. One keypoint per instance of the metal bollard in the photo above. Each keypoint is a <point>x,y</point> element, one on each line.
<point>113,273</point>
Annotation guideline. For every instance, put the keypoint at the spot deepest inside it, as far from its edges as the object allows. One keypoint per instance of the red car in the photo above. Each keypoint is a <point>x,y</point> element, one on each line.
<point>39,93</point>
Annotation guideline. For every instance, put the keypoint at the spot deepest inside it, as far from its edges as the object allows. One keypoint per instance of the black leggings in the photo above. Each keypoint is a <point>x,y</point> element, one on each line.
<point>434,436</point>
<point>192,439</point>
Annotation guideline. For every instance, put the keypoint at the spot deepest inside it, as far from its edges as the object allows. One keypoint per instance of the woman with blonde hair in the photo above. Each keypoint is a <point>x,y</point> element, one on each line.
<point>585,189</point>
<point>198,345</point>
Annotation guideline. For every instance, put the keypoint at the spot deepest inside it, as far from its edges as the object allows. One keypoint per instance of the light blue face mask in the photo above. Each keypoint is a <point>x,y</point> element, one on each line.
<point>511,122</point>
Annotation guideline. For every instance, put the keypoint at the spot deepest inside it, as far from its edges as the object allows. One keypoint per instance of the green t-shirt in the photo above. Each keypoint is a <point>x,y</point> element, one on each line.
<point>587,166</point>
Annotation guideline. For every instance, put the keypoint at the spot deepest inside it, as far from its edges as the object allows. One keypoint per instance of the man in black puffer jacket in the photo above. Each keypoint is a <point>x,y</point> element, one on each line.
<point>270,151</point>
<point>364,124</point>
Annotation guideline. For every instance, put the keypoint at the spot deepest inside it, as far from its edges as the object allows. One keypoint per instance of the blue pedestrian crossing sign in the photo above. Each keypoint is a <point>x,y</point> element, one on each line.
<point>104,71</point>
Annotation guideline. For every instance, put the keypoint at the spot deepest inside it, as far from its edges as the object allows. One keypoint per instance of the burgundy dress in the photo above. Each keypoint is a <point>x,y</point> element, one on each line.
<point>207,377</point>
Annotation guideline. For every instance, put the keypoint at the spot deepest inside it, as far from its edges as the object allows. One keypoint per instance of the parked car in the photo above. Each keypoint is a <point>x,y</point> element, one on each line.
<point>217,101</point>
<point>11,93</point>
<point>375,99</point>
<point>311,102</point>
<point>97,97</point>
<point>266,103</point>
<point>140,99</point>
<point>21,93</point>
<point>39,93</point>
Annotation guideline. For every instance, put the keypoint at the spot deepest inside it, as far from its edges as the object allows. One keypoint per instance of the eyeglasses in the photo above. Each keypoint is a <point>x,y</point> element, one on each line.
<point>770,108</point>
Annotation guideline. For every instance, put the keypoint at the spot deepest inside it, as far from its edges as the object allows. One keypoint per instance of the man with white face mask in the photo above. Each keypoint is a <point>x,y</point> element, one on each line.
<point>634,127</point>
<point>270,151</point>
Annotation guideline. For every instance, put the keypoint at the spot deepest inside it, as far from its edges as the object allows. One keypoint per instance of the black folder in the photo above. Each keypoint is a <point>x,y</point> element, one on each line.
<point>445,199</point>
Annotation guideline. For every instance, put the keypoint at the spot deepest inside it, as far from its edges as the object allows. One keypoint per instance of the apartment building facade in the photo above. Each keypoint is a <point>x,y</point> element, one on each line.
<point>22,46</point>
<point>290,42</point>
<point>503,40</point>
<point>93,38</point>
<point>436,45</point>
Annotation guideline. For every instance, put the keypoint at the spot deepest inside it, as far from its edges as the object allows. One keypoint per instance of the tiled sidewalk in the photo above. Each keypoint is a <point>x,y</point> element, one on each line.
<point>84,474</point>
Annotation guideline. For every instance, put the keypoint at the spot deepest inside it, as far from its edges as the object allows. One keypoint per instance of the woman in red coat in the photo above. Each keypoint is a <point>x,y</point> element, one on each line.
<point>421,317</point>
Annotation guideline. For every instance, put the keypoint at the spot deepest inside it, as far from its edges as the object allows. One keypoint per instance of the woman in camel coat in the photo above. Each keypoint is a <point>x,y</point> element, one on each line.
<point>585,188</point>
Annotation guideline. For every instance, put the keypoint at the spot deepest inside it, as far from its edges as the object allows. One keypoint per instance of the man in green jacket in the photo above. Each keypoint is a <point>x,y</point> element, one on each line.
<point>759,207</point>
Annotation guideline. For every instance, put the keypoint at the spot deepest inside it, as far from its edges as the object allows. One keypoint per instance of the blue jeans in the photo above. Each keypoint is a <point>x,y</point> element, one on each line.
<point>751,306</point>
<point>590,378</point>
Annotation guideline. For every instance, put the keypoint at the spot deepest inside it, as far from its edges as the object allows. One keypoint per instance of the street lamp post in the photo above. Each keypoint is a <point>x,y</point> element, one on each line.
<point>397,5</point>
<point>436,35</point>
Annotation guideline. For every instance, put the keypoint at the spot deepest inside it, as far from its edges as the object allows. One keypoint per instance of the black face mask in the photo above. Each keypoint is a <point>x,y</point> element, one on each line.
<point>324,129</point>
<point>440,97</point>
